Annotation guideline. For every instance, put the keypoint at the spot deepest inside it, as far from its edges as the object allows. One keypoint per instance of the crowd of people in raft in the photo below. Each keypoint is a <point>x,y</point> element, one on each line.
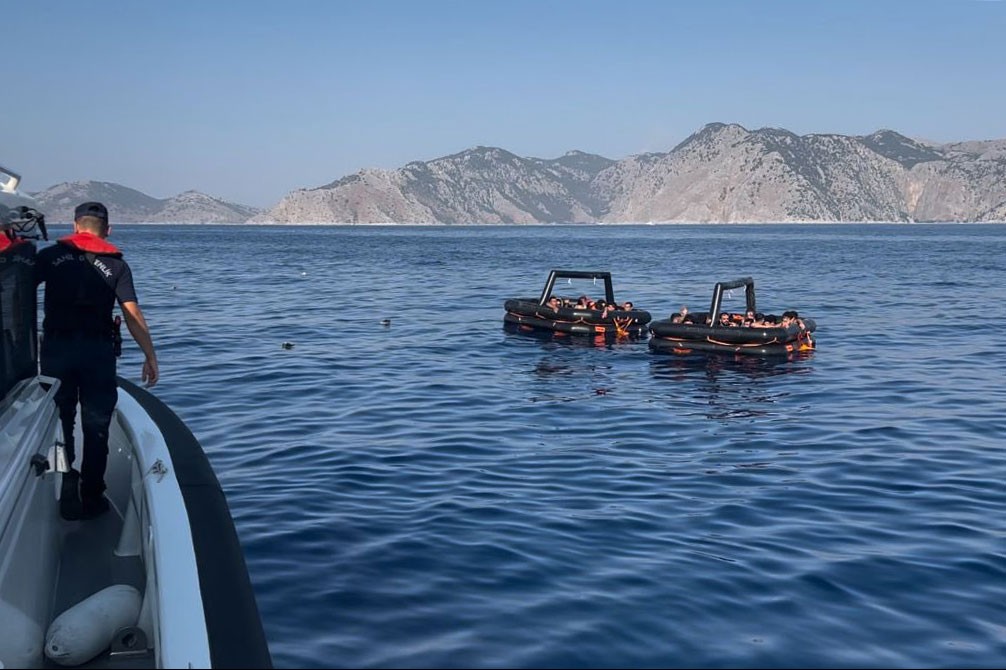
<point>585,302</point>
<point>749,319</point>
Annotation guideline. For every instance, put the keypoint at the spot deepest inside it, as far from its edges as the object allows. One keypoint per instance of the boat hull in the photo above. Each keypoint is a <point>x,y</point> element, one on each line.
<point>199,562</point>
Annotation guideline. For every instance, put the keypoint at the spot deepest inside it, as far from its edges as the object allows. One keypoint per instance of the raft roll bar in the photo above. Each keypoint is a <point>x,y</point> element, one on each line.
<point>749,295</point>
<point>609,292</point>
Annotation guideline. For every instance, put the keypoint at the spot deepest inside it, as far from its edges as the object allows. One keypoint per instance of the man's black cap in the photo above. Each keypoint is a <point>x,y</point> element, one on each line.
<point>95,209</point>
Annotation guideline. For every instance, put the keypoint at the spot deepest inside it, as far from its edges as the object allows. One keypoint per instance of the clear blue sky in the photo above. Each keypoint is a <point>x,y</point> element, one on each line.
<point>248,100</point>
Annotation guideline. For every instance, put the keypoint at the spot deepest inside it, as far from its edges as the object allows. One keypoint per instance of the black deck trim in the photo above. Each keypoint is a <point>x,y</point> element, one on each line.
<point>233,623</point>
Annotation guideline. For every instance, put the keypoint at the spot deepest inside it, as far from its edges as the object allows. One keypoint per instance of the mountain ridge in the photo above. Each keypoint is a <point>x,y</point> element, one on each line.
<point>127,205</point>
<point>722,173</point>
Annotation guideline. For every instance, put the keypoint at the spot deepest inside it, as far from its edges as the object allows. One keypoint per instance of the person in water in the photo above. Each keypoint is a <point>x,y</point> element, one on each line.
<point>84,276</point>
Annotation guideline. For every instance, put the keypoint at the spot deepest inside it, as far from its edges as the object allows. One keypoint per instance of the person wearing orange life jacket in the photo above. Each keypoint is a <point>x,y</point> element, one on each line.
<point>84,276</point>
<point>8,239</point>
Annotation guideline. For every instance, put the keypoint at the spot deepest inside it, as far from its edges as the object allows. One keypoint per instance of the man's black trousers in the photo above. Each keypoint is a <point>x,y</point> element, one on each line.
<point>85,366</point>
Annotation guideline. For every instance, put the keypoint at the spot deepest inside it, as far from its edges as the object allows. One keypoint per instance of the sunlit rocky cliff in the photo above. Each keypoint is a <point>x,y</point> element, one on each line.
<point>723,173</point>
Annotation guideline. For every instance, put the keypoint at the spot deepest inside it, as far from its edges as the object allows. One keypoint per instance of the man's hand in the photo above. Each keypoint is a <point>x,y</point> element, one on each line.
<point>150,372</point>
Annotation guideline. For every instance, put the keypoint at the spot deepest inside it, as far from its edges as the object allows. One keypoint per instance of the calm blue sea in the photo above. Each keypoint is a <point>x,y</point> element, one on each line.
<point>439,493</point>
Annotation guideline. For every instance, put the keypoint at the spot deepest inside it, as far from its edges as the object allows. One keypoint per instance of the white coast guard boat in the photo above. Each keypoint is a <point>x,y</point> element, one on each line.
<point>160,580</point>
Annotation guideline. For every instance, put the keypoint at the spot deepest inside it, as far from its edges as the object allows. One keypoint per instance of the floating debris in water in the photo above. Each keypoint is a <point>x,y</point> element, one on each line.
<point>287,345</point>
<point>385,322</point>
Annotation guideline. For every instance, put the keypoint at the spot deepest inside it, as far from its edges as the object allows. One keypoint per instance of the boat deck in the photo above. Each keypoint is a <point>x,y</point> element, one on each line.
<point>88,563</point>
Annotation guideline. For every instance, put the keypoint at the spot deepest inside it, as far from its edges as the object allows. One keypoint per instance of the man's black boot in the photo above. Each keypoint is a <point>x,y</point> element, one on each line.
<point>93,507</point>
<point>69,496</point>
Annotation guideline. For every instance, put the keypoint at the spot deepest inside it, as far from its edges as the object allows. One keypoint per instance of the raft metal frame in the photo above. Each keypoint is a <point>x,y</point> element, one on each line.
<point>609,292</point>
<point>749,295</point>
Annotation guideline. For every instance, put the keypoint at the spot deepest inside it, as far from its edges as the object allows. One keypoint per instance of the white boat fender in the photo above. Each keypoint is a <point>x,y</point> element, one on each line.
<point>88,628</point>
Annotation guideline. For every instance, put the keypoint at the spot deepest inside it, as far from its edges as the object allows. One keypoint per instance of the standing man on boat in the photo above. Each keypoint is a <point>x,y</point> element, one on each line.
<point>84,277</point>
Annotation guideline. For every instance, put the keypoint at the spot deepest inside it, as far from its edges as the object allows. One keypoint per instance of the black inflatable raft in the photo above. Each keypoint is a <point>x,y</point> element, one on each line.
<point>721,331</point>
<point>563,315</point>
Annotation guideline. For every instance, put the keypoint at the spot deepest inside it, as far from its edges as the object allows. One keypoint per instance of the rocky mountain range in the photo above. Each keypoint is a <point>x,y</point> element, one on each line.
<point>127,205</point>
<point>723,173</point>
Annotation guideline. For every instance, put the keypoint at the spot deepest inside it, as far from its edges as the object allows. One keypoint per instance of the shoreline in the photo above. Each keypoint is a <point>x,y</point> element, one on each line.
<point>568,225</point>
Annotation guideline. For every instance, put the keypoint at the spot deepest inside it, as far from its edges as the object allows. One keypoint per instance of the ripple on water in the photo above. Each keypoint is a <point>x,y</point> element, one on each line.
<point>436,492</point>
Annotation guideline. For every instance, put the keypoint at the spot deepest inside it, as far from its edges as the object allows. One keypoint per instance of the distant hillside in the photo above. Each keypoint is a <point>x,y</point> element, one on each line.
<point>126,205</point>
<point>481,185</point>
<point>723,173</point>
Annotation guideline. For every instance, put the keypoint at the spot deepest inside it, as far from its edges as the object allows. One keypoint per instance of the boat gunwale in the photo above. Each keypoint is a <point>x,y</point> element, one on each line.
<point>234,630</point>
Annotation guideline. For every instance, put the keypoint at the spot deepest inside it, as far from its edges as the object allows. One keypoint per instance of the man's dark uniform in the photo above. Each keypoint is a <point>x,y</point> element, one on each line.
<point>84,276</point>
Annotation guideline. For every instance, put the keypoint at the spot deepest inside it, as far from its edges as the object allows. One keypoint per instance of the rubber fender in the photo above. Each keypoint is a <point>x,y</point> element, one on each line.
<point>87,629</point>
<point>20,638</point>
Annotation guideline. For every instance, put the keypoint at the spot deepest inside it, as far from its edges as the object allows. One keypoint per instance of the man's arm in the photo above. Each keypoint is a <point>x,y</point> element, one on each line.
<point>141,333</point>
